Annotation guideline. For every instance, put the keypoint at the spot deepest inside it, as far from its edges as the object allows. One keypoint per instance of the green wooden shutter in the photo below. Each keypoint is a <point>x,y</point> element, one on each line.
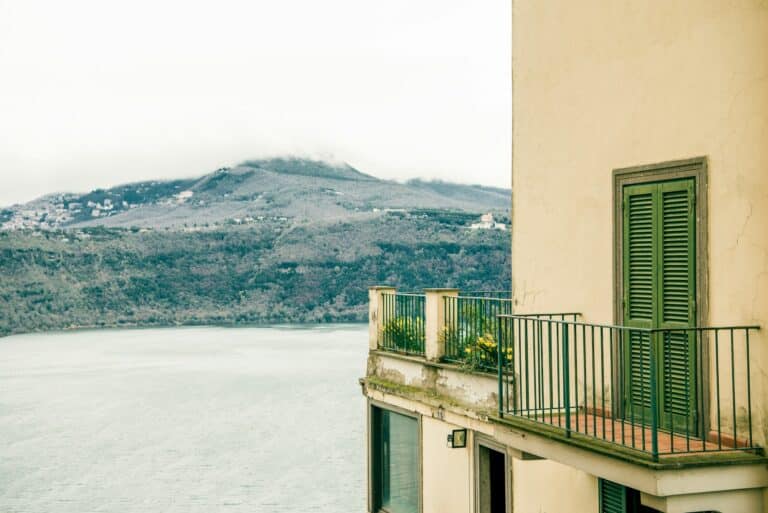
<point>639,284</point>
<point>659,271</point>
<point>613,497</point>
<point>676,289</point>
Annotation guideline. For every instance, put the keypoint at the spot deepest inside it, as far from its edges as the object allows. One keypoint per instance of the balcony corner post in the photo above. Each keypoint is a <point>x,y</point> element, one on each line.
<point>434,322</point>
<point>376,314</point>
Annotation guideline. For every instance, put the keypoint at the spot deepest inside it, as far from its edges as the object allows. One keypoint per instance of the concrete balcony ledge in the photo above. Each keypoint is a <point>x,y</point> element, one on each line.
<point>473,390</point>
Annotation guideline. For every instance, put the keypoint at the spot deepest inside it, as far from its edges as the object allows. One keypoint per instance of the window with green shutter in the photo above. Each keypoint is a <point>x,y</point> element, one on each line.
<point>616,498</point>
<point>613,497</point>
<point>659,270</point>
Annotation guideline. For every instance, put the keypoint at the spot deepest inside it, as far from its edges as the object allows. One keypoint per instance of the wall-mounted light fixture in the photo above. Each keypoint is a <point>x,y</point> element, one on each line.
<point>457,439</point>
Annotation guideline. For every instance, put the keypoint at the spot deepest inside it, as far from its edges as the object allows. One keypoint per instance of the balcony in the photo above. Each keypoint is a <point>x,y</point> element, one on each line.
<point>661,397</point>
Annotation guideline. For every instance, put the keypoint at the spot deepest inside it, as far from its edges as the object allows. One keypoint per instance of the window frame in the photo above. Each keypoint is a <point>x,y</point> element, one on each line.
<point>373,493</point>
<point>696,168</point>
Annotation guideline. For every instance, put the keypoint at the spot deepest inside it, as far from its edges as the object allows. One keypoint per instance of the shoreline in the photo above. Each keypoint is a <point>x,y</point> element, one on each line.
<point>141,326</point>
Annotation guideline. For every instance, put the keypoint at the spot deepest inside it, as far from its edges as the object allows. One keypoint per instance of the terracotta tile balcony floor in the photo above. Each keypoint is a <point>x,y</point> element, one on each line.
<point>637,436</point>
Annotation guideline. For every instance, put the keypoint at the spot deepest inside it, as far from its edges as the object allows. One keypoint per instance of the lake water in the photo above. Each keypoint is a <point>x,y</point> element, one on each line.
<point>183,420</point>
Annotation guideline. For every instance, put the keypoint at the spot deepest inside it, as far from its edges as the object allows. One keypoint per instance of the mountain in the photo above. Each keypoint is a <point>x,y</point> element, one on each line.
<point>298,189</point>
<point>279,240</point>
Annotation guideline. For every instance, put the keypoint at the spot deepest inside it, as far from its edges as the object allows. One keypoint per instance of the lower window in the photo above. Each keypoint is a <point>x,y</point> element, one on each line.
<point>394,461</point>
<point>616,498</point>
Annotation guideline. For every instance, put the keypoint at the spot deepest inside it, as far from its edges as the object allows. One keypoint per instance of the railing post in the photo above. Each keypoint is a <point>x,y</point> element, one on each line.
<point>500,352</point>
<point>375,314</point>
<point>434,322</point>
<point>654,400</point>
<point>566,381</point>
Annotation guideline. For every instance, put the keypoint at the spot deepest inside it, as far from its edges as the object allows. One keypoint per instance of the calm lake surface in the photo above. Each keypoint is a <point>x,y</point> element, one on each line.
<point>183,420</point>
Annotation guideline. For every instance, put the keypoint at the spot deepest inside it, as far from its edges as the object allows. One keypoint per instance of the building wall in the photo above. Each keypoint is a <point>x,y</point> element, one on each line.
<point>600,86</point>
<point>543,486</point>
<point>447,472</point>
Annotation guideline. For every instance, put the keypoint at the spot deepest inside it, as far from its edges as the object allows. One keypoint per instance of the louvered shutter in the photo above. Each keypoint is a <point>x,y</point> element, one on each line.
<point>677,305</point>
<point>639,284</point>
<point>613,497</point>
<point>659,269</point>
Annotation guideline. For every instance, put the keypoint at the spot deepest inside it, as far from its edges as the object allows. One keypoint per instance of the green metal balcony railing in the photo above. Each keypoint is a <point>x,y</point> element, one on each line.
<point>659,392</point>
<point>470,332</point>
<point>402,323</point>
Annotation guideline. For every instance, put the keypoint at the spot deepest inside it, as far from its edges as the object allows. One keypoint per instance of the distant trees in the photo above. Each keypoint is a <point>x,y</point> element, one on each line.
<point>239,274</point>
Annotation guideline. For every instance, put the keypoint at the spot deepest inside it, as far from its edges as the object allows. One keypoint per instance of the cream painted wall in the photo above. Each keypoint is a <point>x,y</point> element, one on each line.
<point>605,85</point>
<point>558,488</point>
<point>447,473</point>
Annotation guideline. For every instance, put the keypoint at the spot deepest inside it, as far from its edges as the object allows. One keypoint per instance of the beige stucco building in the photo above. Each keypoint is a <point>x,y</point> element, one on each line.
<point>628,368</point>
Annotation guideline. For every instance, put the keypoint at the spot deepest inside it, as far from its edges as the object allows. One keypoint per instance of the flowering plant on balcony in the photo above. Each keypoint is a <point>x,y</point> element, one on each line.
<point>404,334</point>
<point>482,352</point>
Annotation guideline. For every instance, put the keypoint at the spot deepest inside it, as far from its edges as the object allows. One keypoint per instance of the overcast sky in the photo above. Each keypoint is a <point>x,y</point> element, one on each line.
<point>97,93</point>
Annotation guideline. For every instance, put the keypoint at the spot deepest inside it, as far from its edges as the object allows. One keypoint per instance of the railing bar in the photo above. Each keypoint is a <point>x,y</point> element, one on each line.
<point>706,328</point>
<point>632,328</point>
<point>733,392</point>
<point>704,427</point>
<point>602,378</point>
<point>642,391</point>
<point>557,371</point>
<point>387,335</point>
<point>688,396</point>
<point>667,361</point>
<point>594,400</point>
<point>510,366</point>
<point>449,327</point>
<point>631,394</point>
<point>566,381</point>
<point>717,394</point>
<point>576,373</point>
<point>540,348</point>
<point>749,390</point>
<point>516,404</point>
<point>406,306</point>
<point>549,361</point>
<point>584,378</point>
<point>540,345</point>
<point>499,363</point>
<point>548,315</point>
<point>653,385</point>
<point>508,330</point>
<point>538,369</point>
<point>527,397</point>
<point>622,350</point>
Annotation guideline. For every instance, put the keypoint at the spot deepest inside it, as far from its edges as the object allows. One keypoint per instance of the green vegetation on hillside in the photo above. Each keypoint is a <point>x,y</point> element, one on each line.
<point>270,272</point>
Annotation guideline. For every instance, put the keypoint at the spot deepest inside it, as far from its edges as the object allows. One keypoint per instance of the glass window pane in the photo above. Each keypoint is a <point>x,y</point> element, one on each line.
<point>400,463</point>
